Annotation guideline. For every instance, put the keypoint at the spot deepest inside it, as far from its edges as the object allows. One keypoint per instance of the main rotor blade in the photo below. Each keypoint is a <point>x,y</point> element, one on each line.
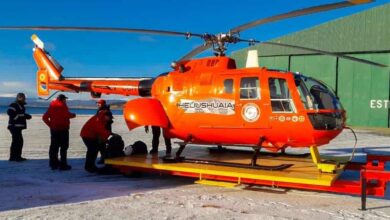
<point>297,13</point>
<point>318,51</point>
<point>195,51</point>
<point>100,29</point>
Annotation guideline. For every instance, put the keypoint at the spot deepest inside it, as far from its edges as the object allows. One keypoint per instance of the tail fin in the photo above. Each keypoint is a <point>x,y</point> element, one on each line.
<point>48,68</point>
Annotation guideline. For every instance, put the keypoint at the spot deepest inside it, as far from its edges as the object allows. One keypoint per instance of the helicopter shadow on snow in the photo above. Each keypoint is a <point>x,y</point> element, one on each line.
<point>32,184</point>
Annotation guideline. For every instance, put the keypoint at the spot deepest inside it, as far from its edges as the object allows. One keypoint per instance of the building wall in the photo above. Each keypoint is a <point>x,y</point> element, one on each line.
<point>364,90</point>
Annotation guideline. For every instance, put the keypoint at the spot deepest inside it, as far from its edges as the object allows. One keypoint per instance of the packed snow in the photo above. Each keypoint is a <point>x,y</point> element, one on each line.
<point>31,190</point>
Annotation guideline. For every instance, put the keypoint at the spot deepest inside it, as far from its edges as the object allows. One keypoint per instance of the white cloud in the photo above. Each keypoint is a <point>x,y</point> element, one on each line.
<point>11,88</point>
<point>7,95</point>
<point>144,38</point>
<point>13,84</point>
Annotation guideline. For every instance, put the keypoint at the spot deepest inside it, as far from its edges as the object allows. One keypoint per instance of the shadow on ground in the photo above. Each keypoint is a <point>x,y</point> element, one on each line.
<point>32,184</point>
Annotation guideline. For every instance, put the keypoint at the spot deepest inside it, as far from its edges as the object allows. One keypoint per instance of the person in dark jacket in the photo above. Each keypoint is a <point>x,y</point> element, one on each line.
<point>16,123</point>
<point>93,133</point>
<point>57,117</point>
<point>156,131</point>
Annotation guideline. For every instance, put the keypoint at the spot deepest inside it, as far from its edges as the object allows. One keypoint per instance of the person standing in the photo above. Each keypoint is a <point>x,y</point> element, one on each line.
<point>156,131</point>
<point>16,123</point>
<point>57,117</point>
<point>93,133</point>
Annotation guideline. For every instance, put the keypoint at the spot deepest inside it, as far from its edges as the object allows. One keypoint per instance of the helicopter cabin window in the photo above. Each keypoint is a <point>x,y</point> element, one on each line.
<point>249,88</point>
<point>280,96</point>
<point>228,86</point>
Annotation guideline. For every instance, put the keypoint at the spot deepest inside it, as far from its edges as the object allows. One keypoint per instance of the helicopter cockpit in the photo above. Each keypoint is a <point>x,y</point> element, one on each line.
<point>323,106</point>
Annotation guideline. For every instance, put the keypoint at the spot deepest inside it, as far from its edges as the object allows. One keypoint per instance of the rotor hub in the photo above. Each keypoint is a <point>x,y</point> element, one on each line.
<point>219,41</point>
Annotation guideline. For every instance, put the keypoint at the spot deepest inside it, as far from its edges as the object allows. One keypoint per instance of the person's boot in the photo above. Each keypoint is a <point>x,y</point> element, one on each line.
<point>169,151</point>
<point>54,163</point>
<point>20,159</point>
<point>91,169</point>
<point>153,151</point>
<point>12,156</point>
<point>65,167</point>
<point>64,164</point>
<point>101,161</point>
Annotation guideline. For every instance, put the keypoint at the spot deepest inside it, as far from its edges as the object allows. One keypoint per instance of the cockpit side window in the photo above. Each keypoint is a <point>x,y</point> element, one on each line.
<point>280,96</point>
<point>249,88</point>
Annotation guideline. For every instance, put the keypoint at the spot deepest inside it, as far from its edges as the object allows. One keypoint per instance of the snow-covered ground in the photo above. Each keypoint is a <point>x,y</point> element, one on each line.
<point>30,190</point>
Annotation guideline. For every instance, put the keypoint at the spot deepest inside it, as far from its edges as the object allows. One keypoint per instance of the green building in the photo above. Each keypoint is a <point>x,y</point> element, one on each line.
<point>364,90</point>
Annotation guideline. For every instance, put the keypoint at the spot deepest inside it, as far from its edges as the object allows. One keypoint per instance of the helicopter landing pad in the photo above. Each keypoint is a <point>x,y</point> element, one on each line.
<point>302,171</point>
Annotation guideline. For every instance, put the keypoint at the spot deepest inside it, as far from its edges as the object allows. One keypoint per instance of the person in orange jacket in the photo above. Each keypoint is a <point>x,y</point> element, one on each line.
<point>102,106</point>
<point>93,133</point>
<point>57,117</point>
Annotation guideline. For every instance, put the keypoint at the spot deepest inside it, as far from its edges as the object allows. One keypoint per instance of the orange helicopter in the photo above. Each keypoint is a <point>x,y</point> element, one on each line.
<point>210,100</point>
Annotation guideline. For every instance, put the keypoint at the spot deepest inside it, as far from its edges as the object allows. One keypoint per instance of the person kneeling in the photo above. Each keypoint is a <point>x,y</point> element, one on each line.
<point>93,133</point>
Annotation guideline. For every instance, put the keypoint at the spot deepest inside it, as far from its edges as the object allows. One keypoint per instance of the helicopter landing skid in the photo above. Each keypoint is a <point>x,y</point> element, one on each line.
<point>253,165</point>
<point>228,164</point>
<point>217,150</point>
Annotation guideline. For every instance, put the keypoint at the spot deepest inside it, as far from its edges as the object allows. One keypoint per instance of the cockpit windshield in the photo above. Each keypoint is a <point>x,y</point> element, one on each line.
<point>316,95</point>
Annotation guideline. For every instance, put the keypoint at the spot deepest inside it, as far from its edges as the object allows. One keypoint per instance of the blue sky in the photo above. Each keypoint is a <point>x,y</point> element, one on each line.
<point>121,54</point>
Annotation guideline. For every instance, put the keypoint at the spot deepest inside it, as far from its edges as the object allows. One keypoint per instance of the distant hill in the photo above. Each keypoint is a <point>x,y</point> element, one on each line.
<point>81,104</point>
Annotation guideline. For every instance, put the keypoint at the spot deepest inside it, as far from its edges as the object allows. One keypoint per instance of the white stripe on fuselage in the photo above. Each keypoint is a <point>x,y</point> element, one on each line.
<point>102,79</point>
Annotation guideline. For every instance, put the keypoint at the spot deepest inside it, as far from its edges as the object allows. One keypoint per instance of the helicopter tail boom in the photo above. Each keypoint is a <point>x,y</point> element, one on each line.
<point>49,77</point>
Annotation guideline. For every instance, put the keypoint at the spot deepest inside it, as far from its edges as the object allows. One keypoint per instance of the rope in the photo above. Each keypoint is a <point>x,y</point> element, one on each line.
<point>354,147</point>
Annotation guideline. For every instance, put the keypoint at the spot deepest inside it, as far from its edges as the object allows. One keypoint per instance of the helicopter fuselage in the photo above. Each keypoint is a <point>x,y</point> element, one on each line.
<point>211,101</point>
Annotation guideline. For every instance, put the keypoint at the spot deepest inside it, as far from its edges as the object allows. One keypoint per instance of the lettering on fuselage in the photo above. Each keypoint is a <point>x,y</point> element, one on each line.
<point>208,106</point>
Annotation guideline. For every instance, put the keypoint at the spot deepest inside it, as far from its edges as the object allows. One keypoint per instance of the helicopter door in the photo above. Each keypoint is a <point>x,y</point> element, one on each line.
<point>249,103</point>
<point>222,103</point>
